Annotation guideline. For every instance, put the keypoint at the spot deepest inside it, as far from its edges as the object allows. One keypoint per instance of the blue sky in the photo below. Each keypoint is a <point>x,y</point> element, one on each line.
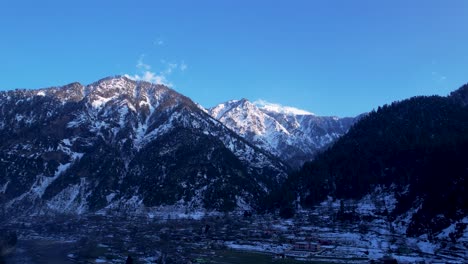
<point>325,56</point>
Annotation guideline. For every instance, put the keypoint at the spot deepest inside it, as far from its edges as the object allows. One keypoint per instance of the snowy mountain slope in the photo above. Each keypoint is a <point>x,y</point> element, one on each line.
<point>121,144</point>
<point>291,134</point>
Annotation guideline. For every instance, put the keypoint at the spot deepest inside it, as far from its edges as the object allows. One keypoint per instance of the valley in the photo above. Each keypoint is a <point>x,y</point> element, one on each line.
<point>228,238</point>
<point>233,132</point>
<point>118,168</point>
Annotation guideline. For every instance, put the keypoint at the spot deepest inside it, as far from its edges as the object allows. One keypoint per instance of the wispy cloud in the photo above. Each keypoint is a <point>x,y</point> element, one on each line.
<point>183,66</point>
<point>158,42</point>
<point>142,65</point>
<point>145,72</point>
<point>438,76</point>
<point>170,68</point>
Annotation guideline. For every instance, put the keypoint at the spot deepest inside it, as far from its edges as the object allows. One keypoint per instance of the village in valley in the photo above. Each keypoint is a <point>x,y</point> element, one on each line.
<point>98,239</point>
<point>311,236</point>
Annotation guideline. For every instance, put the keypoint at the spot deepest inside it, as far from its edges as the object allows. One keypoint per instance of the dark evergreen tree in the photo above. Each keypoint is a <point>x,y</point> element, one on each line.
<point>129,260</point>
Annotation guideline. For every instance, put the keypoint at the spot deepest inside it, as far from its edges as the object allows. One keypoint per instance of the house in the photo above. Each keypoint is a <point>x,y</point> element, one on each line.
<point>306,246</point>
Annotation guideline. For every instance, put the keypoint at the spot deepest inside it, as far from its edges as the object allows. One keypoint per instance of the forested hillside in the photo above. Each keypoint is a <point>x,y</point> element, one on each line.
<point>418,147</point>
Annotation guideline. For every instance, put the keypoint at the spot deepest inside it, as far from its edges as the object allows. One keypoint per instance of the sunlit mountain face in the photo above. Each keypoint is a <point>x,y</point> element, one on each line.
<point>291,134</point>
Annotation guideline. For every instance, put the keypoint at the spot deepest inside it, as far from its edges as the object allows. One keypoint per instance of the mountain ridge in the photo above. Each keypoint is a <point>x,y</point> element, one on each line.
<point>112,144</point>
<point>293,136</point>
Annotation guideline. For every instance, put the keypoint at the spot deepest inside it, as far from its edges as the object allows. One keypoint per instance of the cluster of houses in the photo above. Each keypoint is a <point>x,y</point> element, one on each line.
<point>190,239</point>
<point>269,235</point>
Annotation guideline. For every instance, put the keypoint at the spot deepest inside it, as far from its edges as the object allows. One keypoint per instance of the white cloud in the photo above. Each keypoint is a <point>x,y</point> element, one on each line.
<point>146,74</point>
<point>151,77</point>
<point>141,64</point>
<point>183,66</point>
<point>170,68</point>
<point>277,108</point>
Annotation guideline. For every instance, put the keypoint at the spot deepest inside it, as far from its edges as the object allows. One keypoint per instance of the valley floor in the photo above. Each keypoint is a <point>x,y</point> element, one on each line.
<point>223,238</point>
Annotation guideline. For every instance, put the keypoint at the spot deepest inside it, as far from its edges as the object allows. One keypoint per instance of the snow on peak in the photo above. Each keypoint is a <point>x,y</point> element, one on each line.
<point>219,110</point>
<point>201,108</point>
<point>277,108</point>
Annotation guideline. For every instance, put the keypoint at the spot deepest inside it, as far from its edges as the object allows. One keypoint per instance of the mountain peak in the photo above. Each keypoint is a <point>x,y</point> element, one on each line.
<point>280,109</point>
<point>122,82</point>
<point>115,77</point>
<point>219,110</point>
<point>291,134</point>
<point>120,87</point>
<point>120,143</point>
<point>112,83</point>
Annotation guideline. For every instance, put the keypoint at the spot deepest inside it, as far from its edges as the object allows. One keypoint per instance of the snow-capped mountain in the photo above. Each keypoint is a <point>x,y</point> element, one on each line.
<point>119,144</point>
<point>291,134</point>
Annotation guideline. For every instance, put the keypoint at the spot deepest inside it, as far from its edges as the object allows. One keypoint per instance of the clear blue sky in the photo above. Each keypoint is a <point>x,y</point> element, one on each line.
<point>329,57</point>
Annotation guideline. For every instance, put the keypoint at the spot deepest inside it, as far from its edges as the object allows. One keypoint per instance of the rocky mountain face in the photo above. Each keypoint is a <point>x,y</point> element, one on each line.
<point>292,135</point>
<point>123,145</point>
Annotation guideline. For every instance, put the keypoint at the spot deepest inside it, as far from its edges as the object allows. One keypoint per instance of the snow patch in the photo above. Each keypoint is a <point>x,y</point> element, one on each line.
<point>42,182</point>
<point>110,197</point>
<point>426,247</point>
<point>71,199</point>
<point>100,101</point>
<point>4,187</point>
<point>277,108</point>
<point>242,204</point>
